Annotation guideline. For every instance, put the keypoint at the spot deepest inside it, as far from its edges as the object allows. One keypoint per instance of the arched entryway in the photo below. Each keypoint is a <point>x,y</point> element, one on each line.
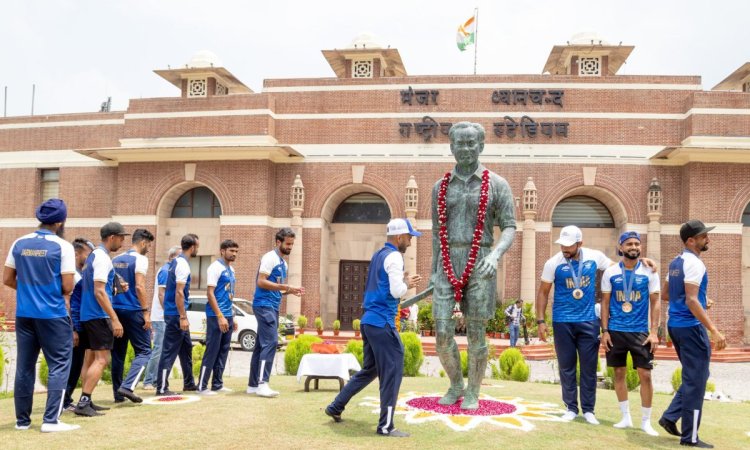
<point>746,270</point>
<point>190,207</point>
<point>354,221</point>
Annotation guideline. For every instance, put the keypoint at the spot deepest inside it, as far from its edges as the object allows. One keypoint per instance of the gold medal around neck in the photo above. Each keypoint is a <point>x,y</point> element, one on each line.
<point>627,307</point>
<point>577,294</point>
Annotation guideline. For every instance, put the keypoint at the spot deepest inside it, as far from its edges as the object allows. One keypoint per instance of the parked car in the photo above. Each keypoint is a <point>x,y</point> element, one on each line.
<point>247,325</point>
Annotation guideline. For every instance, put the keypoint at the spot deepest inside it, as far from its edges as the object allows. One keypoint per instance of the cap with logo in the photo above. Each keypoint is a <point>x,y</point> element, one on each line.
<point>400,226</point>
<point>570,235</point>
<point>693,228</point>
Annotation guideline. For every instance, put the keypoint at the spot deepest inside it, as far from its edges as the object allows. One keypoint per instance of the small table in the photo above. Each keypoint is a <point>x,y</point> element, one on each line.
<point>316,366</point>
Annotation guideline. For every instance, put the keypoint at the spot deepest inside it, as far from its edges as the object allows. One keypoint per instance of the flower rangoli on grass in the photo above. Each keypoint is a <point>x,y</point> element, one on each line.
<point>508,412</point>
<point>171,399</point>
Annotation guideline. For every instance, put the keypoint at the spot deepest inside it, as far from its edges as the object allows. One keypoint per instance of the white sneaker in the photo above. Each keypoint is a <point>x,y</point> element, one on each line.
<point>590,418</point>
<point>626,422</point>
<point>225,389</point>
<point>646,426</point>
<point>568,416</point>
<point>59,426</point>
<point>265,391</point>
<point>252,390</point>
<point>207,392</point>
<point>23,427</point>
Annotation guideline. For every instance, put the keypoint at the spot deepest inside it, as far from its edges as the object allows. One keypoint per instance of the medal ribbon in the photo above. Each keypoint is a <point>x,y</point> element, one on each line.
<point>576,278</point>
<point>231,278</point>
<point>627,285</point>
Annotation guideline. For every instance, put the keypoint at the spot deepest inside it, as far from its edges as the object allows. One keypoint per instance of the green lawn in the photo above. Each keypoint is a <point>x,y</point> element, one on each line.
<point>295,420</point>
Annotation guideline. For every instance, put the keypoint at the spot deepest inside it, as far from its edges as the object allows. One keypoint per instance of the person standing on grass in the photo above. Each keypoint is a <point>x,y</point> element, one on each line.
<point>219,318</point>
<point>157,319</point>
<point>134,313</point>
<point>177,340</point>
<point>40,267</point>
<point>270,285</point>
<point>685,289</point>
<point>98,319</point>
<point>82,248</point>
<point>630,294</point>
<point>382,346</point>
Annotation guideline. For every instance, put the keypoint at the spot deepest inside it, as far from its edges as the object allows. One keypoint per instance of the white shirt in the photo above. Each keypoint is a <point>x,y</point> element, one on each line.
<point>102,265</point>
<point>182,270</point>
<point>394,267</point>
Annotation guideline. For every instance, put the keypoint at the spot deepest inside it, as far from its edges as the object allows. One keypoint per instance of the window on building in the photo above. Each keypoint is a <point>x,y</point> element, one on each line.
<point>362,68</point>
<point>362,208</point>
<point>50,184</point>
<point>197,203</point>
<point>582,211</point>
<point>589,66</point>
<point>197,87</point>
<point>746,216</point>
<point>198,267</point>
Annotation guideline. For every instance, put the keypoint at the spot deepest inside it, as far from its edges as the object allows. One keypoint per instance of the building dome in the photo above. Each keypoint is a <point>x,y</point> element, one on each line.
<point>204,58</point>
<point>365,40</point>
<point>587,38</point>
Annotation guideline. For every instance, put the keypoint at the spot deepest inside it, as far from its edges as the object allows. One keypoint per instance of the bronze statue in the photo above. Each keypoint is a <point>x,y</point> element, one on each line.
<point>466,205</point>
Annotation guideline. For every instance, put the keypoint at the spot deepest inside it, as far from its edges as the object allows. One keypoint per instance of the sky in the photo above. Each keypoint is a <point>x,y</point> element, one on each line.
<point>79,52</point>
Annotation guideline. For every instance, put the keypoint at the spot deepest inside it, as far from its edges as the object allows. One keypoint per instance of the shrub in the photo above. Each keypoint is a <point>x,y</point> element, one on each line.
<point>442,373</point>
<point>464,363</point>
<point>496,375</point>
<point>43,370</point>
<point>520,371</point>
<point>318,323</point>
<point>677,379</point>
<point>296,349</point>
<point>632,380</point>
<point>356,348</point>
<point>356,324</point>
<point>413,356</point>
<point>710,386</point>
<point>424,317</point>
<point>508,358</point>
<point>301,322</point>
<point>337,325</point>
<point>198,351</point>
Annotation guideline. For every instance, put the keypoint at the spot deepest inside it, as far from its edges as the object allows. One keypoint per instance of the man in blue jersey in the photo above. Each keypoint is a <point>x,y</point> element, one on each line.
<point>157,318</point>
<point>82,248</point>
<point>219,318</point>
<point>40,267</point>
<point>383,349</point>
<point>630,294</point>
<point>134,313</point>
<point>270,285</point>
<point>98,319</point>
<point>685,289</point>
<point>177,340</point>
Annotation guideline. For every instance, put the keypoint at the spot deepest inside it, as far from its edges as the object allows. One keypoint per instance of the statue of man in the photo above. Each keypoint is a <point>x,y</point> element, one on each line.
<point>466,206</point>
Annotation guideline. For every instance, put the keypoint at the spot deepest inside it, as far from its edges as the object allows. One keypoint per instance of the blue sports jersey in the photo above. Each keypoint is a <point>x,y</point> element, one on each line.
<point>40,259</point>
<point>685,268</point>
<point>178,268</point>
<point>126,265</point>
<point>565,308</point>
<point>221,276</point>
<point>273,265</point>
<point>380,307</point>
<point>75,302</point>
<point>98,267</point>
<point>645,283</point>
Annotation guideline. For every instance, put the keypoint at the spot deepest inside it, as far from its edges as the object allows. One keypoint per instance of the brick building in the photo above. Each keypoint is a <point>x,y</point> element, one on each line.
<point>336,157</point>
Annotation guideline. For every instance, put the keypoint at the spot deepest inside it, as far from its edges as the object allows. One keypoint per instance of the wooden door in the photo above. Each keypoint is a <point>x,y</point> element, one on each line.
<point>352,279</point>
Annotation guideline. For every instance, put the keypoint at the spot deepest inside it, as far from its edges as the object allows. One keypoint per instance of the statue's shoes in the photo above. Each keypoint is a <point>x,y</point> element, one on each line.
<point>452,396</point>
<point>470,402</point>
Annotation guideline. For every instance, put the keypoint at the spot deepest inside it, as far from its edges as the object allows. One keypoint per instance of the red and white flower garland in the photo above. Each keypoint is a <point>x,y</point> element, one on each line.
<point>459,285</point>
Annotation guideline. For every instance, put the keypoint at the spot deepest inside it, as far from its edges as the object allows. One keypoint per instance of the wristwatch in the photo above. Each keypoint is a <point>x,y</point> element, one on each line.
<point>604,330</point>
<point>539,321</point>
<point>183,317</point>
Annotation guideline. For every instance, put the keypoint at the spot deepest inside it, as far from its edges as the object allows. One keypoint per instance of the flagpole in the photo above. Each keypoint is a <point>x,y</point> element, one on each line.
<point>476,37</point>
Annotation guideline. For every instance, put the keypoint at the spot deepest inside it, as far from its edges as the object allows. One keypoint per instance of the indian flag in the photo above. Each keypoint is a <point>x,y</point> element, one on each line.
<point>466,34</point>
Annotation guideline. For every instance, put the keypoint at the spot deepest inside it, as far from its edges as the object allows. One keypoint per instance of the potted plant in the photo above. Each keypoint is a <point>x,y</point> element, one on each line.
<point>301,323</point>
<point>336,327</point>
<point>355,327</point>
<point>669,341</point>
<point>319,325</point>
<point>424,316</point>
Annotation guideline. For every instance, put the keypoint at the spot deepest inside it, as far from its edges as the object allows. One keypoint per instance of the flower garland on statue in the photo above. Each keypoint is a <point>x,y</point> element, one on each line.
<point>460,284</point>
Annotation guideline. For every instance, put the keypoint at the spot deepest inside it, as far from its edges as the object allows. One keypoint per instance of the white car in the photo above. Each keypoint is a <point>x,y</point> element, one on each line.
<point>247,325</point>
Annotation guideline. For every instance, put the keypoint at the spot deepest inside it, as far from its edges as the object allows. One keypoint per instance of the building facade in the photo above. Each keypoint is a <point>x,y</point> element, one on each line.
<point>335,158</point>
